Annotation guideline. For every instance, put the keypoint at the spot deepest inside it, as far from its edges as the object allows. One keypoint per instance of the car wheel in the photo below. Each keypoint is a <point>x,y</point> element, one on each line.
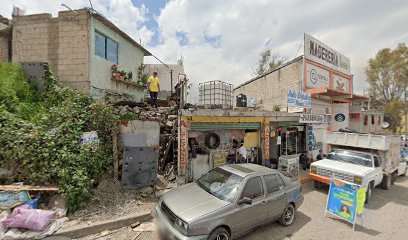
<point>219,234</point>
<point>288,215</point>
<point>386,182</point>
<point>369,192</point>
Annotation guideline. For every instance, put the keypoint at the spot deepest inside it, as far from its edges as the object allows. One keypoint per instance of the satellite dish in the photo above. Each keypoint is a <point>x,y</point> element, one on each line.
<point>385,125</point>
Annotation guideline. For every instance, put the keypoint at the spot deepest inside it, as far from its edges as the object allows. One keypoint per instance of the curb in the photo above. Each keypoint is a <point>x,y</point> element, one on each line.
<point>83,230</point>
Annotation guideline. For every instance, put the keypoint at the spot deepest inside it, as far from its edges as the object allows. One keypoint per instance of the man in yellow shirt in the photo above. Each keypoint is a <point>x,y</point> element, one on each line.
<point>153,85</point>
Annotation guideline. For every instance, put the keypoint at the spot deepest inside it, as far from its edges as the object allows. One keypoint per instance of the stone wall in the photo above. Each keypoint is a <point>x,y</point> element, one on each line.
<point>62,42</point>
<point>4,46</point>
<point>272,89</point>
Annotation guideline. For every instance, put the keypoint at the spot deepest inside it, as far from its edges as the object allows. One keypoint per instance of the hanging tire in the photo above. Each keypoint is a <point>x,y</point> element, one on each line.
<point>386,182</point>
<point>212,140</point>
<point>219,234</point>
<point>288,215</point>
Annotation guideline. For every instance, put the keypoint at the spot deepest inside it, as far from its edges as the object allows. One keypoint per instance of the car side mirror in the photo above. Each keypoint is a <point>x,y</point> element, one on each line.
<point>245,200</point>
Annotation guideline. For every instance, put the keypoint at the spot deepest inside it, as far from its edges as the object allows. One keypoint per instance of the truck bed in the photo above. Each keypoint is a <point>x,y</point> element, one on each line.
<point>386,147</point>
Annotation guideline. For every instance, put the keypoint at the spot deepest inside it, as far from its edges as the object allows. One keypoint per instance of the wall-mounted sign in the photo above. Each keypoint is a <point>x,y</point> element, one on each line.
<point>299,99</point>
<point>314,118</point>
<point>340,83</point>
<point>316,77</point>
<point>319,52</point>
<point>340,117</point>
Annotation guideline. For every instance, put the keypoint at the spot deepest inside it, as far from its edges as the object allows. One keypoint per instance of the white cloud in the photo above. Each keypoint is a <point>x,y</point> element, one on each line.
<point>358,29</point>
<point>243,28</point>
<point>121,12</point>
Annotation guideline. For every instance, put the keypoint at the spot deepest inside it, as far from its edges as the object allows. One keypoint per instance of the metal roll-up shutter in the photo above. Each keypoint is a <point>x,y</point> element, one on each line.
<point>209,126</point>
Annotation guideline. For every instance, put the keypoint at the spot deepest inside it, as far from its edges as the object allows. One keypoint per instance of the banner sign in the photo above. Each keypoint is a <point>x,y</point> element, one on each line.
<point>314,118</point>
<point>345,200</point>
<point>341,83</point>
<point>319,52</point>
<point>316,77</point>
<point>299,99</point>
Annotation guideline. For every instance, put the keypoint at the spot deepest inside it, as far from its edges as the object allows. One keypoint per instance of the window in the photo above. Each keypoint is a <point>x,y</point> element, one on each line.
<point>272,184</point>
<point>365,119</point>
<point>280,181</point>
<point>253,189</point>
<point>377,161</point>
<point>106,47</point>
<point>372,119</point>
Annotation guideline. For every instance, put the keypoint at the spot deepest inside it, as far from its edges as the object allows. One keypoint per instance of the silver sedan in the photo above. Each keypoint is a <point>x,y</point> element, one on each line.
<point>227,202</point>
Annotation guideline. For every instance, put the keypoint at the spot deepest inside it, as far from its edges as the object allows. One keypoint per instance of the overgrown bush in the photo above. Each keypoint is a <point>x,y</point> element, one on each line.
<point>40,135</point>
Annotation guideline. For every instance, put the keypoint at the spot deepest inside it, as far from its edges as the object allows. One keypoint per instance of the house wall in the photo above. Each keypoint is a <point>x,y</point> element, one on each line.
<point>129,59</point>
<point>62,42</point>
<point>164,75</point>
<point>4,47</point>
<point>272,89</point>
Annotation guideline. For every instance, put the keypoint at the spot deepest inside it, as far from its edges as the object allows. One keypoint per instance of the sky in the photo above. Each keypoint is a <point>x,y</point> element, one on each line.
<point>222,40</point>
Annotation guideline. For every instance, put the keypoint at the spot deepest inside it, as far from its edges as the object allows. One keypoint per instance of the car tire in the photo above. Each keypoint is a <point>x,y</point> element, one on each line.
<point>219,234</point>
<point>386,182</point>
<point>288,215</point>
<point>369,192</point>
<point>318,185</point>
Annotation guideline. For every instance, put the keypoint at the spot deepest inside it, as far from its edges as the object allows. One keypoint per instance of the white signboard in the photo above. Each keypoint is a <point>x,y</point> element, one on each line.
<point>340,83</point>
<point>316,77</point>
<point>319,52</point>
<point>314,118</point>
<point>299,99</point>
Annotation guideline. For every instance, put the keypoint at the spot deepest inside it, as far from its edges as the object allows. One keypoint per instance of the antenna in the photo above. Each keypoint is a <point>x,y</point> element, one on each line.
<point>90,2</point>
<point>68,8</point>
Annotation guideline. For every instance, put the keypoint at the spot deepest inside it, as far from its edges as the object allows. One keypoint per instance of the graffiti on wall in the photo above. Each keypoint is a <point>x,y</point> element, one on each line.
<point>265,141</point>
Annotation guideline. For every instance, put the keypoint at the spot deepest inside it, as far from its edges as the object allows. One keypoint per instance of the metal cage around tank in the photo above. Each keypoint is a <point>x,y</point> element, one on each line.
<point>216,95</point>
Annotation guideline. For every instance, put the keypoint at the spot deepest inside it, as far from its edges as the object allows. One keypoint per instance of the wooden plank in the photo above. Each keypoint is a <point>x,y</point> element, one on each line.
<point>27,188</point>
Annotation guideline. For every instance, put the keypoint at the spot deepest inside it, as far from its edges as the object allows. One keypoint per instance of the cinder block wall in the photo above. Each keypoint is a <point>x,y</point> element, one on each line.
<point>4,48</point>
<point>61,41</point>
<point>272,89</point>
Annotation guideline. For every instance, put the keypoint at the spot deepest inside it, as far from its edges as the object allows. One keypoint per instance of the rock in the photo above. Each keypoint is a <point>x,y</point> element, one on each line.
<point>172,117</point>
<point>169,124</point>
<point>135,225</point>
<point>123,111</point>
<point>136,110</point>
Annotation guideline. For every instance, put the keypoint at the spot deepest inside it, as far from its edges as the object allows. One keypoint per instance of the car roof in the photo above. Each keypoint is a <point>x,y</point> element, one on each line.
<point>246,169</point>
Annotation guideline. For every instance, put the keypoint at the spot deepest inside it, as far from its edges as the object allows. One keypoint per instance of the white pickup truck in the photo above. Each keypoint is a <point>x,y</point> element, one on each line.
<point>364,159</point>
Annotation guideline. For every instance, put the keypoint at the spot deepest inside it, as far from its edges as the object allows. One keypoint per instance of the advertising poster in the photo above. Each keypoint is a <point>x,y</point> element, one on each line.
<point>299,99</point>
<point>342,200</point>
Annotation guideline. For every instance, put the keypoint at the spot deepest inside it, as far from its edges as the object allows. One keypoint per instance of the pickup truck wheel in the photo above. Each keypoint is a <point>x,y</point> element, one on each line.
<point>318,185</point>
<point>386,182</point>
<point>219,234</point>
<point>288,215</point>
<point>369,192</point>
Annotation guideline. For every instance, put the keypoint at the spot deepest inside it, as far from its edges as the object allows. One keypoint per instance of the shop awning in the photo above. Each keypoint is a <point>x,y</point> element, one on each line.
<point>328,92</point>
<point>210,126</point>
<point>356,97</point>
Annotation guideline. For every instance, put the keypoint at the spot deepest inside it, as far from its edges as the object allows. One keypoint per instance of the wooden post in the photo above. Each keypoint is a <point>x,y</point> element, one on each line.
<point>115,155</point>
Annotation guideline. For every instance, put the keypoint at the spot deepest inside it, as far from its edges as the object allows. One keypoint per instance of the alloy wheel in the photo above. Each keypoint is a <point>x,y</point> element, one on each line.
<point>289,215</point>
<point>221,236</point>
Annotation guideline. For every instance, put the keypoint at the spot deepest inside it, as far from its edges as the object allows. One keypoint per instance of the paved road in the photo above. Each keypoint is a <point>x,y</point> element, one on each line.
<point>385,217</point>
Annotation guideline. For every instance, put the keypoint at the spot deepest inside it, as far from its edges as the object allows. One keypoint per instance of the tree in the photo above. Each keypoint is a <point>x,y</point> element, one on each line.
<point>387,74</point>
<point>267,62</point>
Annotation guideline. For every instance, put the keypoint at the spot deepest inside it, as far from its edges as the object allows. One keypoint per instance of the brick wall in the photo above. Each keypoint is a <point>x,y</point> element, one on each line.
<point>61,41</point>
<point>272,89</point>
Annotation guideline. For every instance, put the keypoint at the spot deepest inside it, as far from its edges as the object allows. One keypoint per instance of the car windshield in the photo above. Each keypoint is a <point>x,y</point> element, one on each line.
<point>351,157</point>
<point>221,183</point>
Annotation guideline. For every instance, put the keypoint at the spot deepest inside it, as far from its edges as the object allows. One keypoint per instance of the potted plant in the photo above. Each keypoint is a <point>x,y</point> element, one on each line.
<point>115,71</point>
<point>123,74</point>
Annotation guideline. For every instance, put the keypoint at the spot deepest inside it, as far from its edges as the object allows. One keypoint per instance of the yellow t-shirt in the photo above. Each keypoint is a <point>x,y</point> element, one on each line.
<point>153,83</point>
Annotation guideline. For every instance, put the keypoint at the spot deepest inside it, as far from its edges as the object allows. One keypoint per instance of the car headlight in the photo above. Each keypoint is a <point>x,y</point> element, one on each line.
<point>358,180</point>
<point>313,169</point>
<point>183,225</point>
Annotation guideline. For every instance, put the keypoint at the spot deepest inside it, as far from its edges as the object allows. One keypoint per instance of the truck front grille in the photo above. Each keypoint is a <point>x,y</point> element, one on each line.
<point>329,173</point>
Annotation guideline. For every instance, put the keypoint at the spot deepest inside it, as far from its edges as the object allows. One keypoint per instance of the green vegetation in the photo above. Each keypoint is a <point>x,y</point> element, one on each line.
<point>40,135</point>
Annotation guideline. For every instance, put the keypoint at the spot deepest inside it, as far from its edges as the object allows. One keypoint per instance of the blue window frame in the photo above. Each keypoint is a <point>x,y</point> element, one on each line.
<point>106,47</point>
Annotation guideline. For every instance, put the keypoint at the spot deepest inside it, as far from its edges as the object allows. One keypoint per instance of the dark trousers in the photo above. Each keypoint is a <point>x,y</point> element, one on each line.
<point>153,98</point>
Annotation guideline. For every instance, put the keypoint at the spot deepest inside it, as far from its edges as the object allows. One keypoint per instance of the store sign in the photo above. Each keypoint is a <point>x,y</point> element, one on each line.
<point>299,99</point>
<point>183,148</point>
<point>340,117</point>
<point>340,83</point>
<point>319,52</point>
<point>314,118</point>
<point>316,77</point>
<point>342,200</point>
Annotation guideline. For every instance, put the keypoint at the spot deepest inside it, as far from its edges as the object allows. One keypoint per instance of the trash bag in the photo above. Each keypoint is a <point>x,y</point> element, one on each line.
<point>33,219</point>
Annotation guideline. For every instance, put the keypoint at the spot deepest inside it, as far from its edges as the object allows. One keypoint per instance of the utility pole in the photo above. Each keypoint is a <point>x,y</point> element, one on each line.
<point>171,81</point>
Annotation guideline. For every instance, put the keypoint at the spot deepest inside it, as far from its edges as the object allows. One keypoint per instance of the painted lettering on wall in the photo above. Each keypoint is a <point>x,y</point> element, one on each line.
<point>299,99</point>
<point>183,151</point>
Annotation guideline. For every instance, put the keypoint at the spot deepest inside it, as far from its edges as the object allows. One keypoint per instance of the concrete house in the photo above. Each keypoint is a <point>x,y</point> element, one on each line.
<point>168,75</point>
<point>80,46</point>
